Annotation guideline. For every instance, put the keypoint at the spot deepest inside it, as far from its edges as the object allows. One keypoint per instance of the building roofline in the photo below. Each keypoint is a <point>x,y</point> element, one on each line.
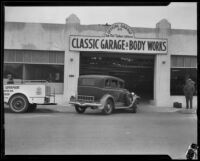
<point>143,29</point>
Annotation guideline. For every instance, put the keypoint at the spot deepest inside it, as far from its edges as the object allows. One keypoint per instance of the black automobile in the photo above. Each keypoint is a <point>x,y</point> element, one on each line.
<point>103,92</point>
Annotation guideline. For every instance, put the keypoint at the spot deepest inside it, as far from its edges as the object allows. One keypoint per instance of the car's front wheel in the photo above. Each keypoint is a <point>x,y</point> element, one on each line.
<point>108,107</point>
<point>134,109</point>
<point>80,109</point>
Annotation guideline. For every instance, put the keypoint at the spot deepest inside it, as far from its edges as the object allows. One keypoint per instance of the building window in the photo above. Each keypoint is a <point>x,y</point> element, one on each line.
<point>51,73</point>
<point>34,56</point>
<point>182,67</point>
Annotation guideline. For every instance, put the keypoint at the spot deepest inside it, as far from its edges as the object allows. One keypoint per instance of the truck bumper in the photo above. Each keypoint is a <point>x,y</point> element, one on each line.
<point>47,104</point>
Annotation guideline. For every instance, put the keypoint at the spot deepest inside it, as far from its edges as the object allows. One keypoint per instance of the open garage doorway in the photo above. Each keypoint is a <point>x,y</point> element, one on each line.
<point>136,69</point>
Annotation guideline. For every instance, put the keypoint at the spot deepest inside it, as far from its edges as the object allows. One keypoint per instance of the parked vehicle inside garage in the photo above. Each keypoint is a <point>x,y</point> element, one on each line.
<point>103,92</point>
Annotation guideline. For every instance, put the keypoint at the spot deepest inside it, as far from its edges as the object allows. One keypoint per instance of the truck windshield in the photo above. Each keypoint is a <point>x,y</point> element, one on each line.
<point>87,82</point>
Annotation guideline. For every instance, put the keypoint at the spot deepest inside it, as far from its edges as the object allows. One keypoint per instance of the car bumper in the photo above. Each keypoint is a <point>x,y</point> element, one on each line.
<point>85,104</point>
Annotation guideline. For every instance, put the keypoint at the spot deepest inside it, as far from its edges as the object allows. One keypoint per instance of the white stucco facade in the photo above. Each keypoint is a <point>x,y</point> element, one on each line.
<point>56,37</point>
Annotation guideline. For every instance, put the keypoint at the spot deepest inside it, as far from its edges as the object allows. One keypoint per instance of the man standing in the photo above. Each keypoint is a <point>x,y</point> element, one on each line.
<point>189,90</point>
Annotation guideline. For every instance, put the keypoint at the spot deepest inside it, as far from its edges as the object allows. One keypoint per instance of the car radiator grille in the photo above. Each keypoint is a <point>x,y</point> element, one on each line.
<point>85,98</point>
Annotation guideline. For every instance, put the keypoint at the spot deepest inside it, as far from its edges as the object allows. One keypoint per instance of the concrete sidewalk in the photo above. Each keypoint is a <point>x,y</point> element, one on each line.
<point>143,107</point>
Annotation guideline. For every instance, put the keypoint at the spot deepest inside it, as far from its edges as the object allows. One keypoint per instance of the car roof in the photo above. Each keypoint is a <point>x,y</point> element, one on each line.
<point>101,77</point>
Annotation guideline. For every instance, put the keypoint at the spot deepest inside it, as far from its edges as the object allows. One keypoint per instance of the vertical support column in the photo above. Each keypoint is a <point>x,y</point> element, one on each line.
<point>23,71</point>
<point>162,68</point>
<point>71,65</point>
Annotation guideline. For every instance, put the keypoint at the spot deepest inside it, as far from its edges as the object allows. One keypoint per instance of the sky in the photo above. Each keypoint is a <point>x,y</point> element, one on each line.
<point>180,15</point>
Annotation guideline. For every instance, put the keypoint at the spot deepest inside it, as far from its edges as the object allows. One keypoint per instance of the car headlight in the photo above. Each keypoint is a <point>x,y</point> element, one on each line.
<point>133,93</point>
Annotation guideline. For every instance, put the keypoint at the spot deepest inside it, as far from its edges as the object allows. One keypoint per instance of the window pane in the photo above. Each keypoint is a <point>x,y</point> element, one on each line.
<point>14,69</point>
<point>187,61</point>
<point>180,61</point>
<point>194,62</point>
<point>40,57</point>
<point>9,55</point>
<point>27,57</point>
<point>173,61</point>
<point>107,83</point>
<point>5,56</point>
<point>19,56</point>
<point>178,77</point>
<point>183,61</point>
<point>51,73</point>
<point>114,83</point>
<point>60,58</point>
<point>52,57</point>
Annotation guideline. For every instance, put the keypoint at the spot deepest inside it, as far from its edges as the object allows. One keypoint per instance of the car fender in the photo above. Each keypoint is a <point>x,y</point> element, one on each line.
<point>104,98</point>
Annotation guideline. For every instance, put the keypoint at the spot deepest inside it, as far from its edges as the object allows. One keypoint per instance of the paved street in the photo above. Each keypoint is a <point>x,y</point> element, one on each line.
<point>60,130</point>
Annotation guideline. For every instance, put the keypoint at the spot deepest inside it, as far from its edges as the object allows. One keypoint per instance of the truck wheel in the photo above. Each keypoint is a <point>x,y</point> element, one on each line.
<point>80,109</point>
<point>32,107</point>
<point>19,103</point>
<point>108,107</point>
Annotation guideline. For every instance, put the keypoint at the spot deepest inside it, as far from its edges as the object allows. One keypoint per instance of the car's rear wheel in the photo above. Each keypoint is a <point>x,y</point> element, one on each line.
<point>108,107</point>
<point>80,109</point>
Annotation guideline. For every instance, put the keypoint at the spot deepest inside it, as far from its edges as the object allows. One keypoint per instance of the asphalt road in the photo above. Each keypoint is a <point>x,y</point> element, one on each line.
<point>50,131</point>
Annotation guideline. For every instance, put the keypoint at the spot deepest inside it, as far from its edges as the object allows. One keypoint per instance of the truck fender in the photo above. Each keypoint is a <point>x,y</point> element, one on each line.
<point>20,93</point>
<point>103,100</point>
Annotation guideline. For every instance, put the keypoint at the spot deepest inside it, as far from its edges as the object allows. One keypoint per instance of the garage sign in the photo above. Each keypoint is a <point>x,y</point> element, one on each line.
<point>118,38</point>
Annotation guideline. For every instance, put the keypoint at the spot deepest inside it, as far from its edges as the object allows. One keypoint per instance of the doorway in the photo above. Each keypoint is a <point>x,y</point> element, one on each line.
<point>137,70</point>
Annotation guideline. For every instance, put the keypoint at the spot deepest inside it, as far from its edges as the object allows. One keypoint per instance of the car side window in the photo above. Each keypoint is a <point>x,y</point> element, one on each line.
<point>107,83</point>
<point>120,84</point>
<point>114,83</point>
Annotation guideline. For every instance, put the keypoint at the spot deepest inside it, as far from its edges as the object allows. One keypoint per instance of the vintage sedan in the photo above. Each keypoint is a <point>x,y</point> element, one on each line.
<point>103,92</point>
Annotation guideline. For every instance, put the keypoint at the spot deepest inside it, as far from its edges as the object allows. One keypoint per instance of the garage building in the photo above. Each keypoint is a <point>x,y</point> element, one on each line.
<point>154,62</point>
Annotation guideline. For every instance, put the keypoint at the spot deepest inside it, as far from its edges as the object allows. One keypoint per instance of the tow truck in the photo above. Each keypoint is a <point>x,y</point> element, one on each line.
<point>25,96</point>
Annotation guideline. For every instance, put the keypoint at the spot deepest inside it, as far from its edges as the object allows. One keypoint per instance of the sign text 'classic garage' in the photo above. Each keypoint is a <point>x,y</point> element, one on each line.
<point>118,43</point>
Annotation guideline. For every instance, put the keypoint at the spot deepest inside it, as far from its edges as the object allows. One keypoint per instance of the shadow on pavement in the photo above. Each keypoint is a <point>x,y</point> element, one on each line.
<point>120,111</point>
<point>39,110</point>
<point>99,113</point>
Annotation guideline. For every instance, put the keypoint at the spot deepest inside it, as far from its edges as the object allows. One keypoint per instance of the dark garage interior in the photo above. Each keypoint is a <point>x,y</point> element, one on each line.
<point>136,69</point>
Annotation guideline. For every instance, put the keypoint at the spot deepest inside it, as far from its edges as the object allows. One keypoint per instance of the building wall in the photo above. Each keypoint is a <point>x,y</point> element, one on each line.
<point>34,36</point>
<point>183,42</point>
